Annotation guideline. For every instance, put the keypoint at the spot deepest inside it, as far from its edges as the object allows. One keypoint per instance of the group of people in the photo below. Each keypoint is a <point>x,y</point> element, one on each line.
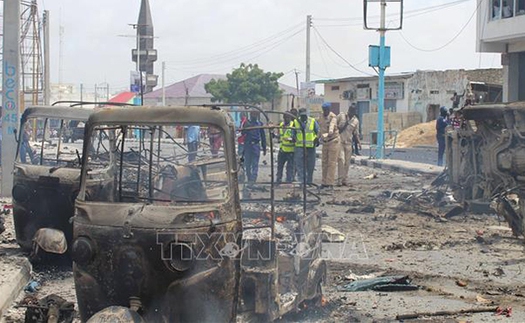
<point>452,117</point>
<point>299,136</point>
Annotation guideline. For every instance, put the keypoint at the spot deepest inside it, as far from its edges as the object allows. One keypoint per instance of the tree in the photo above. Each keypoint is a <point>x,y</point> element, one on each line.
<point>247,84</point>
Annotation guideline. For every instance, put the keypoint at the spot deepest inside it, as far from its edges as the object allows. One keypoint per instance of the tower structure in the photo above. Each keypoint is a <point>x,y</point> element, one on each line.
<point>145,55</point>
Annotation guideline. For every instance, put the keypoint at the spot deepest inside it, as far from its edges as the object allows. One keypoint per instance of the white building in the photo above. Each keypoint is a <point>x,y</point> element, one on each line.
<point>501,29</point>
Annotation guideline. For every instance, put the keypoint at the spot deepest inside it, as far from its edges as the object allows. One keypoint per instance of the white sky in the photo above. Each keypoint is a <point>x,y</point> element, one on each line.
<point>193,32</point>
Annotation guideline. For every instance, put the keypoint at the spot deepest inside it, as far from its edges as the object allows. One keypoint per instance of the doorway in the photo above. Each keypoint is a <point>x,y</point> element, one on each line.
<point>362,108</point>
<point>432,112</point>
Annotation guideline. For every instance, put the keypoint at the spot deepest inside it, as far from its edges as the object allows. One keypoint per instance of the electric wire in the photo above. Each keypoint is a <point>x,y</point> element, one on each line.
<point>407,15</point>
<point>240,55</point>
<point>321,53</point>
<point>249,47</point>
<point>440,6</point>
<point>339,55</point>
<point>447,43</point>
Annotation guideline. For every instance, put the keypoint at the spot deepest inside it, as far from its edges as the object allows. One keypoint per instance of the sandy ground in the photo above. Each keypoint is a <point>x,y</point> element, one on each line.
<point>475,251</point>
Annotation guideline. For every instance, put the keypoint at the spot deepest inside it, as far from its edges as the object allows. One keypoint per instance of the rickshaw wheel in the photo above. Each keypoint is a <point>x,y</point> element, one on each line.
<point>116,314</point>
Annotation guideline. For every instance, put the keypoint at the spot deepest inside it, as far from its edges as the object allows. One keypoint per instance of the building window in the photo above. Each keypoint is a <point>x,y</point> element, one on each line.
<point>520,8</point>
<point>390,105</point>
<point>335,88</point>
<point>506,8</point>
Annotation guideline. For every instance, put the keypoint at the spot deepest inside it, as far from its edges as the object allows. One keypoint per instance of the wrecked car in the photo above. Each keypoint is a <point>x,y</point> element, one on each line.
<point>486,160</point>
<point>169,239</point>
<point>46,179</point>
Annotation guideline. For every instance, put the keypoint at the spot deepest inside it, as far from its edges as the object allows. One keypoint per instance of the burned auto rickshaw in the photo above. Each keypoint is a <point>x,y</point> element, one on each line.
<point>281,263</point>
<point>47,176</point>
<point>160,241</point>
<point>46,179</point>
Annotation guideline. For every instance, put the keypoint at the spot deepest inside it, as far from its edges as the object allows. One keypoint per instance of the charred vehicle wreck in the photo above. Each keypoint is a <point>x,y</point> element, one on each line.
<point>167,237</point>
<point>46,179</point>
<point>486,160</point>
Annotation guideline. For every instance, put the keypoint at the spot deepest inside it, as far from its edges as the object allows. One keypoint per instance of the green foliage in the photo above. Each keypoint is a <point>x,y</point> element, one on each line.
<point>247,84</point>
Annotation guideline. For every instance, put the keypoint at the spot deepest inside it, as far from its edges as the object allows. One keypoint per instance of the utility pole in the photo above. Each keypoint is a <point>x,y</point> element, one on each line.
<point>298,97</point>
<point>381,92</point>
<point>60,54</point>
<point>163,84</point>
<point>47,68</point>
<point>308,26</point>
<point>81,92</point>
<point>11,91</point>
<point>307,72</point>
<point>380,57</point>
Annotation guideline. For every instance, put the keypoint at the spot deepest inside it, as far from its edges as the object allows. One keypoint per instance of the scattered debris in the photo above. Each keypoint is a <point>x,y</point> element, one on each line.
<point>504,311</point>
<point>344,202</point>
<point>447,313</point>
<point>32,286</point>
<point>353,277</point>
<point>384,284</point>
<point>461,283</point>
<point>331,234</point>
<point>371,176</point>
<point>455,211</point>
<point>498,272</point>
<point>364,209</point>
<point>482,300</point>
<point>412,245</point>
<point>51,308</point>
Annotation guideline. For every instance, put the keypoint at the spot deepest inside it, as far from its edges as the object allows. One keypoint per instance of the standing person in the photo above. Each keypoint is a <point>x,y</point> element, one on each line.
<point>254,140</point>
<point>348,125</point>
<point>192,140</point>
<point>310,141</point>
<point>441,124</point>
<point>25,148</point>
<point>240,140</point>
<point>215,137</point>
<point>455,100</point>
<point>330,140</point>
<point>286,150</point>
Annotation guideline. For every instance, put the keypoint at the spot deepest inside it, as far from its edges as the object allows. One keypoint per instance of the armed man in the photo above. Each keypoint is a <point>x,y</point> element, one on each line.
<point>329,135</point>
<point>305,144</point>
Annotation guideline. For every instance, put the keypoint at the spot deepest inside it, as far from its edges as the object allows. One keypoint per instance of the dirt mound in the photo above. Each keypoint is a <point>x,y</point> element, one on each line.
<point>423,134</point>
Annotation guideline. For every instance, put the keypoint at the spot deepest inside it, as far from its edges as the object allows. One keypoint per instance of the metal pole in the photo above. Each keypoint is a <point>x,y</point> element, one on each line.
<point>81,91</point>
<point>47,68</point>
<point>11,91</point>
<point>163,84</point>
<point>308,25</point>
<point>307,72</point>
<point>381,92</point>
<point>138,65</point>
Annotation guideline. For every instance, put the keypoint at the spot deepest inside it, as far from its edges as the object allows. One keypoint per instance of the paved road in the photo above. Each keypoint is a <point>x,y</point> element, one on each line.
<point>425,155</point>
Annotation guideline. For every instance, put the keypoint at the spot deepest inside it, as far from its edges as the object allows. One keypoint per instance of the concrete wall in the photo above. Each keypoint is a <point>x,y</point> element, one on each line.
<point>392,121</point>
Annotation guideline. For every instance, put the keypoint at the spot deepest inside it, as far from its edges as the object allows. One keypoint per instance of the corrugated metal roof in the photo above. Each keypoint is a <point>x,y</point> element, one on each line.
<point>124,97</point>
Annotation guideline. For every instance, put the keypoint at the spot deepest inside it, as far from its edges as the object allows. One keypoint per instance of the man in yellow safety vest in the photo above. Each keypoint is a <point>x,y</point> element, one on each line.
<point>286,150</point>
<point>305,144</point>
